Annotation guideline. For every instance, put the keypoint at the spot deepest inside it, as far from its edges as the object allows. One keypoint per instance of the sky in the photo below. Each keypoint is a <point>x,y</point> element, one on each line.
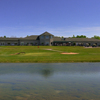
<point>19,18</point>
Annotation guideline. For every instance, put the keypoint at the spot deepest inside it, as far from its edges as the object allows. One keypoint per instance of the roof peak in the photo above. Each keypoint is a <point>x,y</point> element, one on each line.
<point>46,33</point>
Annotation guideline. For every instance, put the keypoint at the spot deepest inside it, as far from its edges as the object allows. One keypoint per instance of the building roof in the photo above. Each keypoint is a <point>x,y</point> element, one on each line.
<point>56,39</point>
<point>82,39</point>
<point>9,39</point>
<point>46,33</point>
<point>34,37</point>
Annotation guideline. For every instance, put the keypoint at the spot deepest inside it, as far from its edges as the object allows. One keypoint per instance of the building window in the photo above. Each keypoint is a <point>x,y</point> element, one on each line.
<point>12,43</point>
<point>51,37</point>
<point>47,43</point>
<point>47,37</point>
<point>42,37</point>
<point>22,43</point>
<point>2,43</point>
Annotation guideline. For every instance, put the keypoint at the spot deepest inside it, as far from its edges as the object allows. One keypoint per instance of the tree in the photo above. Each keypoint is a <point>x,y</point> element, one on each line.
<point>4,36</point>
<point>62,37</point>
<point>81,36</point>
<point>96,37</point>
<point>73,36</point>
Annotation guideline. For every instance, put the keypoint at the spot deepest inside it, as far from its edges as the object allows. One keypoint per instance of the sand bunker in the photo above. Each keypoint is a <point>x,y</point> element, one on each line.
<point>71,53</point>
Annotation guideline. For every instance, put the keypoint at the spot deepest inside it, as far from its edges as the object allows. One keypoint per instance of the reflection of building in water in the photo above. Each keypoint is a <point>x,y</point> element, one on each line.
<point>46,72</point>
<point>49,39</point>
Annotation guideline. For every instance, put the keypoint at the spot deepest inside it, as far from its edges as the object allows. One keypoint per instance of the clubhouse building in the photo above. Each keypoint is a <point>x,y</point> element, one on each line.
<point>49,39</point>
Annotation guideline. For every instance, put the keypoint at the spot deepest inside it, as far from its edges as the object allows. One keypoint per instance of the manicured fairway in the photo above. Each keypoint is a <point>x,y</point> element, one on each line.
<point>49,54</point>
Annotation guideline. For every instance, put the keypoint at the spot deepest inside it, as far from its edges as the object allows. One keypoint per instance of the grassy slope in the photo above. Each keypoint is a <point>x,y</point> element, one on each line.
<point>35,54</point>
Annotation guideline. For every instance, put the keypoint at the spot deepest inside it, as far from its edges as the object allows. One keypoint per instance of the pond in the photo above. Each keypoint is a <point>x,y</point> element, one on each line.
<point>49,81</point>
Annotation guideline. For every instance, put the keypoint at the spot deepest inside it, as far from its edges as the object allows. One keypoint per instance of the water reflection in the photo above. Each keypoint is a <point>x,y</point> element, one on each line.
<point>55,81</point>
<point>82,68</point>
<point>46,72</point>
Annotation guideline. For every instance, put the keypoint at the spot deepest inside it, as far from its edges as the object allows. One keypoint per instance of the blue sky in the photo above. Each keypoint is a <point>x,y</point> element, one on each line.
<point>59,17</point>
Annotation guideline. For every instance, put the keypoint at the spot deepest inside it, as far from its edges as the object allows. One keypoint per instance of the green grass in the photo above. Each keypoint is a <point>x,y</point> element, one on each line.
<point>33,54</point>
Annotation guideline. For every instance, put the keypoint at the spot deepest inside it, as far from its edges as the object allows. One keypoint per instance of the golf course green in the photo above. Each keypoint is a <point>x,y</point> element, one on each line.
<point>48,54</point>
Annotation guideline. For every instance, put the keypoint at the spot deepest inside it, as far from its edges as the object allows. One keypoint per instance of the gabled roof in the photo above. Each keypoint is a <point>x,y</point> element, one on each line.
<point>46,33</point>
